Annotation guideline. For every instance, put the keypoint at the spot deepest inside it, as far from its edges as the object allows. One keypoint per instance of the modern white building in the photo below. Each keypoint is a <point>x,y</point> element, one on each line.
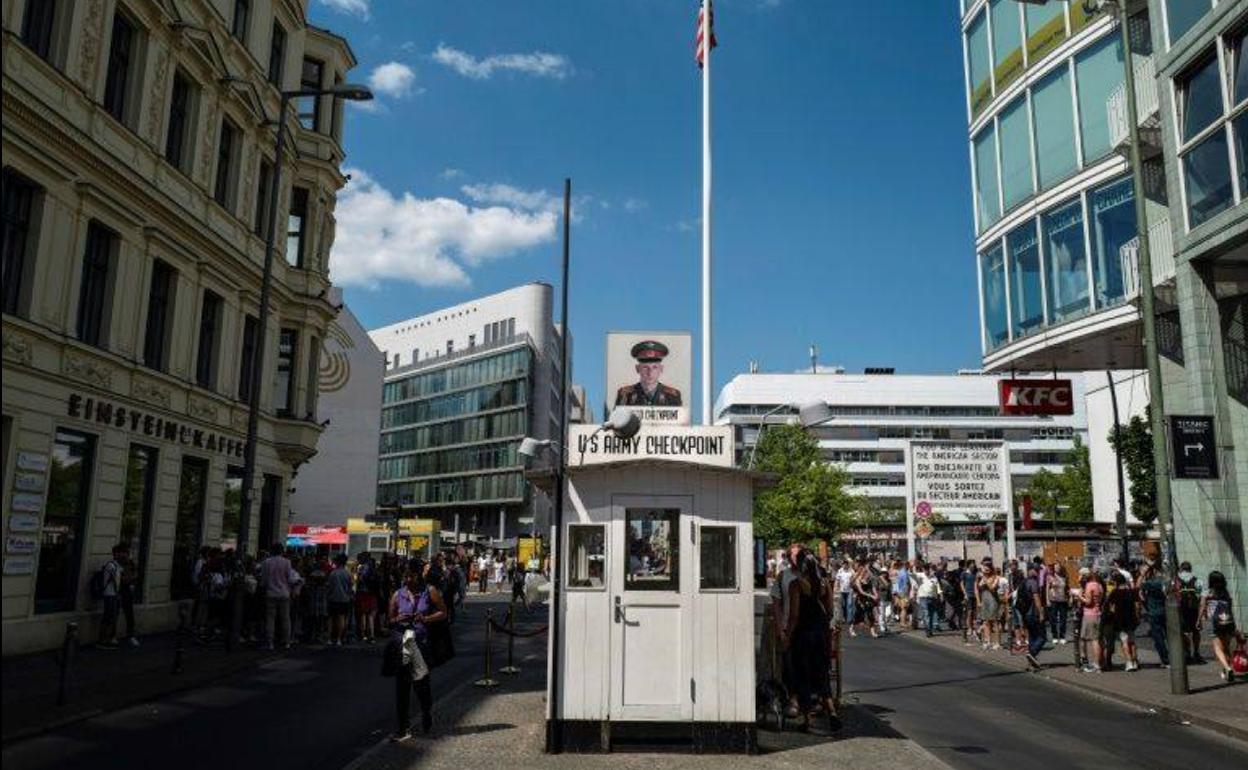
<point>463,386</point>
<point>877,414</point>
<point>340,481</point>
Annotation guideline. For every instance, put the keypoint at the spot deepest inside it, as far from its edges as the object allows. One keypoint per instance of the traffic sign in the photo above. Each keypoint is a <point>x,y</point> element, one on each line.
<point>923,510</point>
<point>924,528</point>
<point>1192,447</point>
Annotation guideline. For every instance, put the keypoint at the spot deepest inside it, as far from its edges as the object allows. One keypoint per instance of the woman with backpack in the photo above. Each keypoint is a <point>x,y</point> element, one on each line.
<point>417,606</point>
<point>1216,605</point>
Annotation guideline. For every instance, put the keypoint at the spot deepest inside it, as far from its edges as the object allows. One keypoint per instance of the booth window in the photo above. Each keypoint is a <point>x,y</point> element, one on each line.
<point>653,549</point>
<point>718,558</point>
<point>586,556</point>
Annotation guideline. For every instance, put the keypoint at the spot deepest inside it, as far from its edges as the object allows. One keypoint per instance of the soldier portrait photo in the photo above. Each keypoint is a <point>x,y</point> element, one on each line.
<point>648,390</point>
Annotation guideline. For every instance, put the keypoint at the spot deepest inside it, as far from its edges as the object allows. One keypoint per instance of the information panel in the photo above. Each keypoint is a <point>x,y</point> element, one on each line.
<point>959,478</point>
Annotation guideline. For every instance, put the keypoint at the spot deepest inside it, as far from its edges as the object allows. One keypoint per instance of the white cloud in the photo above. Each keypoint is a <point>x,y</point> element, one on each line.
<point>426,241</point>
<point>506,195</point>
<point>450,172</point>
<point>689,225</point>
<point>537,64</point>
<point>392,79</point>
<point>350,7</point>
<point>635,205</point>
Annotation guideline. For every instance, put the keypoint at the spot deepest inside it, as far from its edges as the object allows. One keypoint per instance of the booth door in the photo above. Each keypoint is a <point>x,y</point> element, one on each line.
<point>651,629</point>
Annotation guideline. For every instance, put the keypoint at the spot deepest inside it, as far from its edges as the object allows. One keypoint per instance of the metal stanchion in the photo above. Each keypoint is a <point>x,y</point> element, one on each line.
<point>67,655</point>
<point>488,680</point>
<point>511,669</point>
<point>179,639</point>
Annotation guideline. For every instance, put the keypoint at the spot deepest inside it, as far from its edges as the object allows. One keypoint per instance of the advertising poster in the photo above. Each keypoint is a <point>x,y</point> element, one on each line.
<point>651,372</point>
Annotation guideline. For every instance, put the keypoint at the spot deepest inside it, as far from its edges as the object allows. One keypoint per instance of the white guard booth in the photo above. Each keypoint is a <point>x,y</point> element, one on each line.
<point>656,628</point>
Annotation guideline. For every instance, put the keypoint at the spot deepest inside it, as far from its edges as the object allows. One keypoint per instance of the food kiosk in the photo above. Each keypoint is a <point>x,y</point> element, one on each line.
<point>655,613</point>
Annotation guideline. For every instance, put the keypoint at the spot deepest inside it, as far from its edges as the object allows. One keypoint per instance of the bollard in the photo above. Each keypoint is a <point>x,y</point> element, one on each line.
<point>179,638</point>
<point>67,656</point>
<point>488,680</point>
<point>511,669</point>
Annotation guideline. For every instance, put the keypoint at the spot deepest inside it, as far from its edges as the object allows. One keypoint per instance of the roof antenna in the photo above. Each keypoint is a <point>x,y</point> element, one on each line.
<point>814,359</point>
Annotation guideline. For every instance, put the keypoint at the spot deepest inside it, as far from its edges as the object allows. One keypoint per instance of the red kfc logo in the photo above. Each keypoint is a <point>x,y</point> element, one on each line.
<point>1036,397</point>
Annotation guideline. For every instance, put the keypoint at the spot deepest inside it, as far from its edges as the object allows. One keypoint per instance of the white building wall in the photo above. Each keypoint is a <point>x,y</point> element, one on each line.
<point>1132,391</point>
<point>340,481</point>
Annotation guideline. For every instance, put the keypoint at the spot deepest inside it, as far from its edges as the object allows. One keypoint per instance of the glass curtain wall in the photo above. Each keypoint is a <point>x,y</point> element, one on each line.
<point>1007,42</point>
<point>1046,28</point>
<point>987,197</point>
<point>1016,177</point>
<point>992,274</point>
<point>1067,275</point>
<point>1026,294</point>
<point>1098,71</point>
<point>1054,120</point>
<point>979,64</point>
<point>1112,225</point>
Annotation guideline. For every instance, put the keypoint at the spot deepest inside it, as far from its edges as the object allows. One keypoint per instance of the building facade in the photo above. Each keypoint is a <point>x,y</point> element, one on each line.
<point>1191,71</point>
<point>463,386</point>
<point>340,481</point>
<point>137,160</point>
<point>875,417</point>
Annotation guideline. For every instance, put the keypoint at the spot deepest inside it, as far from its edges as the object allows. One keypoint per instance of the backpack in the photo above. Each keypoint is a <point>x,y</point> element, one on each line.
<point>1189,597</point>
<point>1023,601</point>
<point>99,582</point>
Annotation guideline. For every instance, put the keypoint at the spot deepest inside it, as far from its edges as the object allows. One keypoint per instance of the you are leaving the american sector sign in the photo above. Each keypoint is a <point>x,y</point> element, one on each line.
<point>959,477</point>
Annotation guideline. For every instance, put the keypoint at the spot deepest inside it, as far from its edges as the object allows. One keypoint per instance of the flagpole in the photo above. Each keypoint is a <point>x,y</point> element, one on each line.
<point>707,378</point>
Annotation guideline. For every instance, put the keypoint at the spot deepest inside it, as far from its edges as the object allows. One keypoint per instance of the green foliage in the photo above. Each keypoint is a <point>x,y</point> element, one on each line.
<point>1069,491</point>
<point>1136,449</point>
<point>809,501</point>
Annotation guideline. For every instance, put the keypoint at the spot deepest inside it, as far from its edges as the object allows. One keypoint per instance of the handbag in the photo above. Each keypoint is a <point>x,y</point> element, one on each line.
<point>1239,661</point>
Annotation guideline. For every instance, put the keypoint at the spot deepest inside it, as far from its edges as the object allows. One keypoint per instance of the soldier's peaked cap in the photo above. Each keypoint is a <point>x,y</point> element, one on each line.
<point>649,352</point>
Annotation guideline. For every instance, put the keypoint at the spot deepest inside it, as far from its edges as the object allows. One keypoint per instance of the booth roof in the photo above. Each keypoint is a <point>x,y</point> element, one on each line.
<point>544,478</point>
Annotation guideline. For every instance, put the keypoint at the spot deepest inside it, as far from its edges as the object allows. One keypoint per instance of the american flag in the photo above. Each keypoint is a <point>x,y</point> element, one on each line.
<point>700,48</point>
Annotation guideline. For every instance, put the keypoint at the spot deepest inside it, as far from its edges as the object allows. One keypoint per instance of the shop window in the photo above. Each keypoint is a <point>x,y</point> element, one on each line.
<point>93,293</point>
<point>992,274</point>
<point>64,521</point>
<point>1026,297</point>
<point>20,198</point>
<point>159,315</point>
<point>652,549</point>
<point>232,511</point>
<point>188,528</point>
<point>1067,262</point>
<point>136,509</point>
<point>717,557</point>
<point>284,386</point>
<point>586,556</point>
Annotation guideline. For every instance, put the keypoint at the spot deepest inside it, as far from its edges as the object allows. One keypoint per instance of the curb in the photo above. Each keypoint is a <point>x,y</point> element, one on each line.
<point>924,757</point>
<point>26,733</point>
<point>1167,712</point>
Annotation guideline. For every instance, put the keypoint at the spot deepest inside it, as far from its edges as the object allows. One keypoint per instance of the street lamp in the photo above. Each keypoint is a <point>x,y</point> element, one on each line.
<point>349,92</point>
<point>1157,418</point>
<point>809,415</point>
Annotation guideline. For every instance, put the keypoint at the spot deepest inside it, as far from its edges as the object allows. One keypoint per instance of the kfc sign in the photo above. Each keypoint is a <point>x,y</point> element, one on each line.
<point>1032,397</point>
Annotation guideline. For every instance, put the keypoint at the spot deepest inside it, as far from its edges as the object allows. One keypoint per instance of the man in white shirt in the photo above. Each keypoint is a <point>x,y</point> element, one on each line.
<point>845,591</point>
<point>927,589</point>
<point>278,577</point>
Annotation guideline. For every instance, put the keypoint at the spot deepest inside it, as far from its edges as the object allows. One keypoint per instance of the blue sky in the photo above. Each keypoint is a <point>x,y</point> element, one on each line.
<point>842,201</point>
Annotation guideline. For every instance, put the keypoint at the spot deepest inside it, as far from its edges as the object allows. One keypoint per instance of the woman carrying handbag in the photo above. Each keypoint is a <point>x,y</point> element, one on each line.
<point>416,607</point>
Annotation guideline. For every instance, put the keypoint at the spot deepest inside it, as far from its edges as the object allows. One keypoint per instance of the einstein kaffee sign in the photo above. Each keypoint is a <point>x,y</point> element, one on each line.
<point>962,479</point>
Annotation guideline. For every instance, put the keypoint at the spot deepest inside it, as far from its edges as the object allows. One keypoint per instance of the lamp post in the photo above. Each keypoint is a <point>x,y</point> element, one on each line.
<point>351,93</point>
<point>809,415</point>
<point>1148,313</point>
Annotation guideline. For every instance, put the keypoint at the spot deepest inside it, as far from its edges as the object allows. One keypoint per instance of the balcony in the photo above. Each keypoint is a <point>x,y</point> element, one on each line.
<point>1147,110</point>
<point>1161,249</point>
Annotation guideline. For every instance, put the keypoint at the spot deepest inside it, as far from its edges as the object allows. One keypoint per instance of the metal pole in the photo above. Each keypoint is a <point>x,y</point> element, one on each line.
<point>1122,489</point>
<point>488,680</point>
<point>1157,415</point>
<point>553,742</point>
<point>257,363</point>
<point>67,657</point>
<point>708,25</point>
<point>511,668</point>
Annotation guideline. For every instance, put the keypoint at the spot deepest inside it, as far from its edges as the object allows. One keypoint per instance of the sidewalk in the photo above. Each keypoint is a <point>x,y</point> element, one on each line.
<point>505,726</point>
<point>104,680</point>
<point>1211,704</point>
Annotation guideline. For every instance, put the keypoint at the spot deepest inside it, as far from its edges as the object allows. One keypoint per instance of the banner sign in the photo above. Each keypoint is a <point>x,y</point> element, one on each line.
<point>959,478</point>
<point>708,445</point>
<point>651,372</point>
<point>1192,444</point>
<point>1037,397</point>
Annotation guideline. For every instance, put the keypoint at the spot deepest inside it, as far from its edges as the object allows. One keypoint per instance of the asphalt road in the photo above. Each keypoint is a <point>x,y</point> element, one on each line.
<point>973,714</point>
<point>314,709</point>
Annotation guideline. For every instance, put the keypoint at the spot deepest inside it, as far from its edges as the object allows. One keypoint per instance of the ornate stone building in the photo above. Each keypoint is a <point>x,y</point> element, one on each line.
<point>137,158</point>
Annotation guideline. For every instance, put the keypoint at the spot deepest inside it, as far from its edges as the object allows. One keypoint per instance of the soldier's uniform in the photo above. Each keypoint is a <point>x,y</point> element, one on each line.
<point>648,352</point>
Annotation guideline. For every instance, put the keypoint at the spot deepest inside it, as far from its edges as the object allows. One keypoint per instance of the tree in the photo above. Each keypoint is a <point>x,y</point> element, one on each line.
<point>810,500</point>
<point>1069,491</point>
<point>1136,450</point>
